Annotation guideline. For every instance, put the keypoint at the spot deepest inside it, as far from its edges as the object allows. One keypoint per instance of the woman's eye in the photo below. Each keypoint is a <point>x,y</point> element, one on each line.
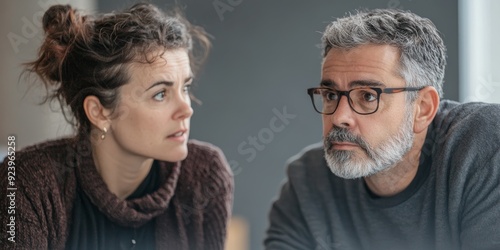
<point>187,88</point>
<point>159,96</point>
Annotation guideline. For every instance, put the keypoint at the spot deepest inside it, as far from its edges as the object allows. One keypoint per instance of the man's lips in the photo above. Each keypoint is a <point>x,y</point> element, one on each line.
<point>344,145</point>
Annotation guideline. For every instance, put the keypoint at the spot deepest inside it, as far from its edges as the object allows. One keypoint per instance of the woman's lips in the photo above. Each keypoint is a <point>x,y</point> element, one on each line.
<point>180,135</point>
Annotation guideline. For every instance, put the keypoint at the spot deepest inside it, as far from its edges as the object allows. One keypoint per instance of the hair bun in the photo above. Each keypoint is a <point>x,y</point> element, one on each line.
<point>63,27</point>
<point>62,23</point>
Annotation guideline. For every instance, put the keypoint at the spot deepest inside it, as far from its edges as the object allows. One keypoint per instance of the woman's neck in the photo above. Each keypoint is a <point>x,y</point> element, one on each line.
<point>121,171</point>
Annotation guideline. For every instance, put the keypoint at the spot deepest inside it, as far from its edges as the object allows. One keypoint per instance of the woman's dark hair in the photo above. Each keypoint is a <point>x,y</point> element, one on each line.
<point>86,55</point>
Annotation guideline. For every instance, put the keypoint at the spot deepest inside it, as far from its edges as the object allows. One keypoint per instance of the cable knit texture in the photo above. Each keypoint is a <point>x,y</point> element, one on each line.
<point>191,207</point>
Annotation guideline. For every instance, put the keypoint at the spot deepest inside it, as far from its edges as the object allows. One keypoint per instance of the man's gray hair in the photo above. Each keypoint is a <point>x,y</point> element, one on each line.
<point>423,54</point>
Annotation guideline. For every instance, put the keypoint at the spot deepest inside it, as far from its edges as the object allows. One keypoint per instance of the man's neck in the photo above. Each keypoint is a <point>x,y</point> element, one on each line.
<point>397,178</point>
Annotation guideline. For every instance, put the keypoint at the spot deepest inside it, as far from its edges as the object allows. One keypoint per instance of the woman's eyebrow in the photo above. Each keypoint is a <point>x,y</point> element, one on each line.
<point>168,83</point>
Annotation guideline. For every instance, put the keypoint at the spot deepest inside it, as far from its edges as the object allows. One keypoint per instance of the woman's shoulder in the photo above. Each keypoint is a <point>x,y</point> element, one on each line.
<point>206,159</point>
<point>205,174</point>
<point>39,161</point>
<point>203,149</point>
<point>45,150</point>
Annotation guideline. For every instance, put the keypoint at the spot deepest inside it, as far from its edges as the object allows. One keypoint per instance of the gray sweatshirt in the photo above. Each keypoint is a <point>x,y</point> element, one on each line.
<point>452,203</point>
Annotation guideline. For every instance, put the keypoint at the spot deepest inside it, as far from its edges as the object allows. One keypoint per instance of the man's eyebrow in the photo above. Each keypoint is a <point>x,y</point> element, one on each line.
<point>328,83</point>
<point>167,83</point>
<point>366,83</point>
<point>358,83</point>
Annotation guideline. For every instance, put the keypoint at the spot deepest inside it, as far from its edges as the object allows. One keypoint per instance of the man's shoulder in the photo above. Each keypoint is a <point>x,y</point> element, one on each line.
<point>473,113</point>
<point>466,135</point>
<point>473,122</point>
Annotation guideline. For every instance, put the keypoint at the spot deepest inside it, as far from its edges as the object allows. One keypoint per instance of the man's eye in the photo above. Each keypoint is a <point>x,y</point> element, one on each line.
<point>368,96</point>
<point>330,96</point>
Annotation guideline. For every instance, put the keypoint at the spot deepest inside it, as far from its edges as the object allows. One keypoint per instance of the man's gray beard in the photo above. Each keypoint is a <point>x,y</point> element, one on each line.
<point>346,164</point>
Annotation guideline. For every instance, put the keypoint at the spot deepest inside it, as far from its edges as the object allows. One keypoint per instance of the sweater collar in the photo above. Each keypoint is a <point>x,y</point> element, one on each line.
<point>133,212</point>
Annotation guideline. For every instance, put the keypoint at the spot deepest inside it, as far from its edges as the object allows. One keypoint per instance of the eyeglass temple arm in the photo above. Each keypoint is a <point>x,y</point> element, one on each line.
<point>399,90</point>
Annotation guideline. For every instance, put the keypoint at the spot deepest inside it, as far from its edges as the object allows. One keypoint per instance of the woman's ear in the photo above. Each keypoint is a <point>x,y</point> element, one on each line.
<point>426,105</point>
<point>96,113</point>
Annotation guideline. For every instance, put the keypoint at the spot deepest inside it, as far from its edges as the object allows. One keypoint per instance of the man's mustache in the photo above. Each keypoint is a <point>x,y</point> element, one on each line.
<point>338,134</point>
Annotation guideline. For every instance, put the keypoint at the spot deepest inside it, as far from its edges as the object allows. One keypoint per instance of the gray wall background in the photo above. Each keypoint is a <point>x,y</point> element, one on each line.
<point>265,55</point>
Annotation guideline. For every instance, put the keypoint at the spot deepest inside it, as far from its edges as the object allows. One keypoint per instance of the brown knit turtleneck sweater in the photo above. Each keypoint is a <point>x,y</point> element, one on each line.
<point>191,206</point>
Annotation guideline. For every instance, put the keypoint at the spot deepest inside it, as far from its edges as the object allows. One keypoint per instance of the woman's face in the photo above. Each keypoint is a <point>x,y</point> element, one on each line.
<point>154,109</point>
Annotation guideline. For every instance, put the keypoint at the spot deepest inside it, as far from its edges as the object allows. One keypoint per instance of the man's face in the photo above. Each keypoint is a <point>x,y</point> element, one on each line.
<point>362,145</point>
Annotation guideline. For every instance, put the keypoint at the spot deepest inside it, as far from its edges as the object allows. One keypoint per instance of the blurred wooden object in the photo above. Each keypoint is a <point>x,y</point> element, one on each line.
<point>237,234</point>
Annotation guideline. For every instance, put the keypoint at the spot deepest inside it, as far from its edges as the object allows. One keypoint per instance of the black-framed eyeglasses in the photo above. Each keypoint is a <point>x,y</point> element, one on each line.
<point>362,100</point>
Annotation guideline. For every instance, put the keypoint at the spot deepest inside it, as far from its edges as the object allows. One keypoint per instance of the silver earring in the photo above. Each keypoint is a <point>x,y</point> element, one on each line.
<point>103,135</point>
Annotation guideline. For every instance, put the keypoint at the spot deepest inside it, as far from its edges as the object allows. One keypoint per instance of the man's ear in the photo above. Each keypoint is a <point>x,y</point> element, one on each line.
<point>96,113</point>
<point>426,106</point>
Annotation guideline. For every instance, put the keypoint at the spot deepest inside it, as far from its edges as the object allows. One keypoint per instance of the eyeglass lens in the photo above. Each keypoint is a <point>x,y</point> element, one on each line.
<point>362,100</point>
